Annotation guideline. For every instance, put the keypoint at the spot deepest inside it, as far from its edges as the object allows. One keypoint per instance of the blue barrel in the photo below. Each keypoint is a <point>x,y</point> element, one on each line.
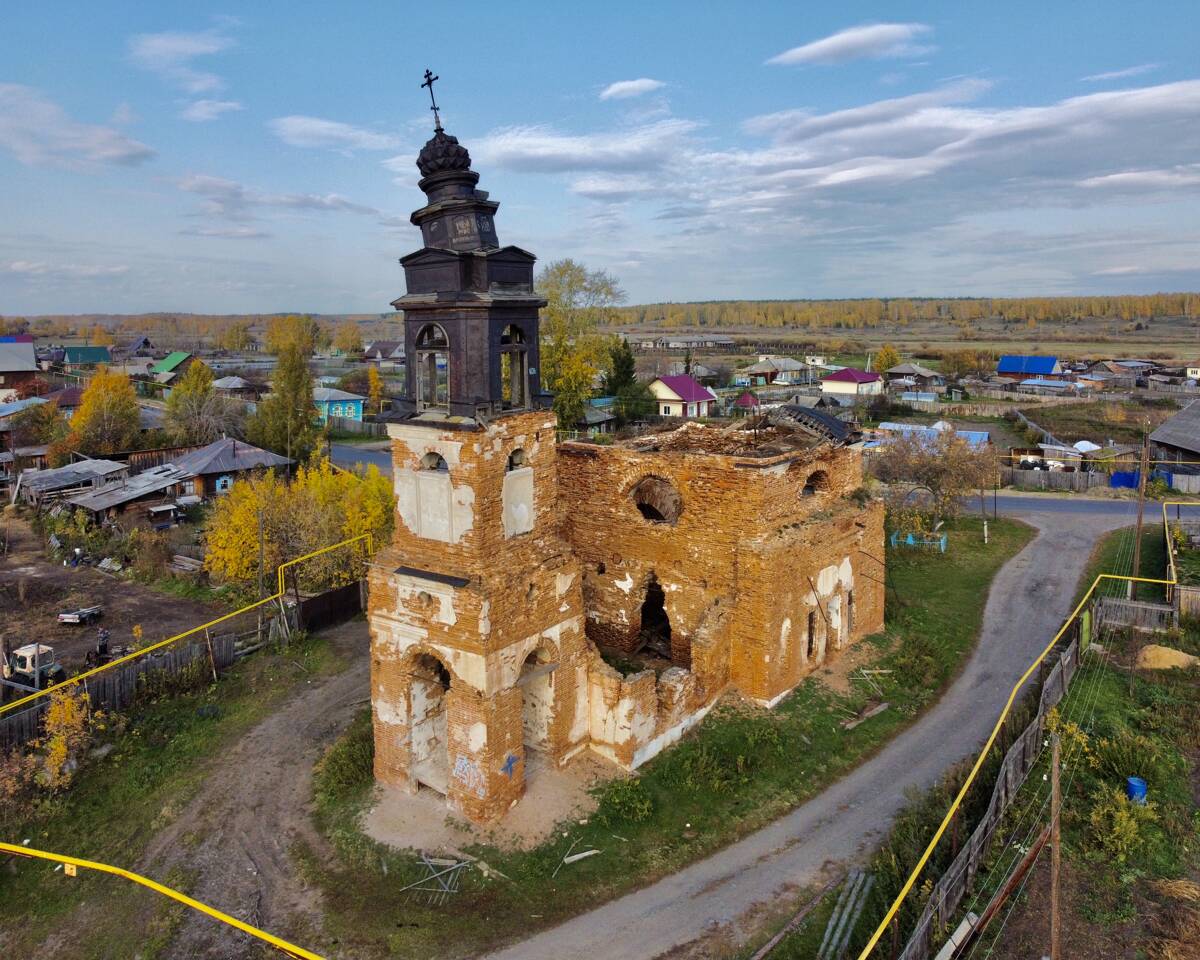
<point>1135,789</point>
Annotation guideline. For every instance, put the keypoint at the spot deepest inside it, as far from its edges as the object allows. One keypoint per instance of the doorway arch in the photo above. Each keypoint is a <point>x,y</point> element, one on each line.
<point>428,684</point>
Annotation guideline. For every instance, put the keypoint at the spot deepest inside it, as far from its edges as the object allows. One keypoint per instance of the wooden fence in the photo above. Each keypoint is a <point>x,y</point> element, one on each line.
<point>367,427</point>
<point>955,883</point>
<point>1051,479</point>
<point>1139,614</point>
<point>117,688</point>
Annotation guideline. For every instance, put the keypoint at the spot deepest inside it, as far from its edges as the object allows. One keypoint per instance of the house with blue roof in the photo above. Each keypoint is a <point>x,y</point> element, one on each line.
<point>1016,367</point>
<point>337,403</point>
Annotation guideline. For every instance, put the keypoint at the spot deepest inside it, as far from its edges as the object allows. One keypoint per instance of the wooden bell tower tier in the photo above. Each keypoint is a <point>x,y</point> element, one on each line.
<point>479,662</point>
<point>470,313</point>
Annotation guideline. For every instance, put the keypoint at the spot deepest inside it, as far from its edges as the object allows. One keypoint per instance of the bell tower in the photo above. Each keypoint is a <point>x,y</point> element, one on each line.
<point>470,313</point>
<point>478,651</point>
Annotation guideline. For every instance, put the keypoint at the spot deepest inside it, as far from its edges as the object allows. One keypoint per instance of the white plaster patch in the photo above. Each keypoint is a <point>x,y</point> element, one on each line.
<point>562,583</point>
<point>624,585</point>
<point>485,625</point>
<point>477,737</point>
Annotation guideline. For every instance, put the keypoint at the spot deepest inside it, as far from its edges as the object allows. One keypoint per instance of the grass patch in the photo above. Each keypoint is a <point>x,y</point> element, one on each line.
<point>1101,420</point>
<point>1113,553</point>
<point>740,769</point>
<point>119,802</point>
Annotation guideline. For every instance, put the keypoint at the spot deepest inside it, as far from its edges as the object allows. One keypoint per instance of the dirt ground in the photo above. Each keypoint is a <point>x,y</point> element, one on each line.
<point>236,836</point>
<point>34,590</point>
<point>420,821</point>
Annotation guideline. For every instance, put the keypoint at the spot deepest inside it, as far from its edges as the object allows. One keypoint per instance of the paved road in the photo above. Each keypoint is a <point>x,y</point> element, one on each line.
<point>351,455</point>
<point>1031,596</point>
<point>1018,505</point>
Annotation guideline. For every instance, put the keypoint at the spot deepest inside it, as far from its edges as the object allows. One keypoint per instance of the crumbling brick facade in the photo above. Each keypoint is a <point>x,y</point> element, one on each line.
<point>515,558</point>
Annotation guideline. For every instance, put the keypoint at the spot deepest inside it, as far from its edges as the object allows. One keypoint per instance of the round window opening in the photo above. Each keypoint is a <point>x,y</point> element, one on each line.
<point>657,500</point>
<point>817,482</point>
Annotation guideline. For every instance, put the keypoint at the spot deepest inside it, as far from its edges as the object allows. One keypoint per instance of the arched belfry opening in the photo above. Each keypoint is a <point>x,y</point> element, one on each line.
<point>537,706</point>
<point>514,368</point>
<point>433,367</point>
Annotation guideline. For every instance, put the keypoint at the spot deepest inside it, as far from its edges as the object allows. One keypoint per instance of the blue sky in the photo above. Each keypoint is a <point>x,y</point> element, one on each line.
<point>195,157</point>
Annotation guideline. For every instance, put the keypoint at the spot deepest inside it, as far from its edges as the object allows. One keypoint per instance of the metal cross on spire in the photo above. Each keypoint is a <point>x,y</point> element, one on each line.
<point>430,77</point>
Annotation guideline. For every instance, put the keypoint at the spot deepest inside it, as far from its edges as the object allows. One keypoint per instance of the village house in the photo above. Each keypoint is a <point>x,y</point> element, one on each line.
<point>1017,367</point>
<point>212,470</point>
<point>234,386</point>
<point>914,375</point>
<point>83,358</point>
<point>1178,439</point>
<point>385,353</point>
<point>39,487</point>
<point>682,396</point>
<point>331,402</point>
<point>18,368</point>
<point>848,385</point>
<point>170,368</point>
<point>782,370</point>
<point>719,558</point>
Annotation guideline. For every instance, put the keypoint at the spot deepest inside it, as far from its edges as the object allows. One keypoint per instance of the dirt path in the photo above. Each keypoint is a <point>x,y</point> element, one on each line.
<point>720,897</point>
<point>251,810</point>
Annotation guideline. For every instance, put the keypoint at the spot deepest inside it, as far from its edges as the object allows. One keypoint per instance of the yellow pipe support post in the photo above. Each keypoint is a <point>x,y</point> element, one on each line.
<point>72,864</point>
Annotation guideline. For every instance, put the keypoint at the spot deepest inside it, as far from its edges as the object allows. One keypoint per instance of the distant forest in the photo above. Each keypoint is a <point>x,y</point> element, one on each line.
<point>866,314</point>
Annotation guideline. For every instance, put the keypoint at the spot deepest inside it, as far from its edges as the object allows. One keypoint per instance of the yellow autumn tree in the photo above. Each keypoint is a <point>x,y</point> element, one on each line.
<point>887,357</point>
<point>322,505</point>
<point>107,420</point>
<point>375,389</point>
<point>347,338</point>
<point>101,336</point>
<point>67,730</point>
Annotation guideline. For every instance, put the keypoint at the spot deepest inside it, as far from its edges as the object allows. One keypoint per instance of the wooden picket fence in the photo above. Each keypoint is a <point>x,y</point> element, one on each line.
<point>953,886</point>
<point>117,688</point>
<point>1051,479</point>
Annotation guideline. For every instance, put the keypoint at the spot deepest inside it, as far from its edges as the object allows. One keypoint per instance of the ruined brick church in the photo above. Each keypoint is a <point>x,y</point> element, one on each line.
<point>701,559</point>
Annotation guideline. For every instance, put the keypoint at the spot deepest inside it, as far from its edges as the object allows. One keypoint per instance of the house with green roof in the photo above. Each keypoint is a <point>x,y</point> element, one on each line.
<point>170,368</point>
<point>85,356</point>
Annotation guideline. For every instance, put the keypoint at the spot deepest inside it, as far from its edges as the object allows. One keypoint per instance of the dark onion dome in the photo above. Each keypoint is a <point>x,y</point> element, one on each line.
<point>442,153</point>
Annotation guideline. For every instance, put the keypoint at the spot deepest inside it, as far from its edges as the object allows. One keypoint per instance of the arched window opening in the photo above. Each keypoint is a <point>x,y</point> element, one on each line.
<point>434,461</point>
<point>817,482</point>
<point>657,500</point>
<point>514,368</point>
<point>433,367</point>
<point>516,460</point>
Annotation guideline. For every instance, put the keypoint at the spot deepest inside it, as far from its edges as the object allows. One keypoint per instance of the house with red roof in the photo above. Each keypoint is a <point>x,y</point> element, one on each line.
<point>848,385</point>
<point>682,396</point>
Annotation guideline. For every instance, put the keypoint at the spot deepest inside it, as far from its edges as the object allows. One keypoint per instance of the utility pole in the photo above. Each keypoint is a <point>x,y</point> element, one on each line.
<point>260,571</point>
<point>1143,469</point>
<point>1056,848</point>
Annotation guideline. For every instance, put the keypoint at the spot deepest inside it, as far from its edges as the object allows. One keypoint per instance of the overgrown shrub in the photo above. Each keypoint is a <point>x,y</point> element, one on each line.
<point>625,800</point>
<point>1117,824</point>
<point>348,764</point>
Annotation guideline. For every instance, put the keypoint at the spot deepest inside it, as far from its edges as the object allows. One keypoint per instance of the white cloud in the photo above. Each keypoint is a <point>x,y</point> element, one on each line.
<point>200,111</point>
<point>623,89</point>
<point>229,200</point>
<point>612,187</point>
<point>543,150</point>
<point>301,131</point>
<point>1185,175</point>
<point>40,268</point>
<point>226,233</point>
<point>1121,74</point>
<point>873,40</point>
<point>171,54</point>
<point>124,115</point>
<point>38,132</point>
